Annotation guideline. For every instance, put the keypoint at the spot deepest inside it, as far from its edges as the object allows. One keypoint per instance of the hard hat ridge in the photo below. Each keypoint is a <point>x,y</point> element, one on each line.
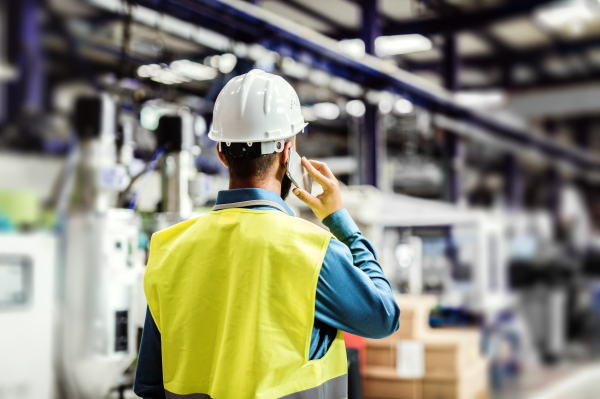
<point>245,87</point>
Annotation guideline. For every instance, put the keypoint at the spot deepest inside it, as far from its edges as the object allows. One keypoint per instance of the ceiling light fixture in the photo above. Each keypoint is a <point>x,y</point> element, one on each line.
<point>227,62</point>
<point>194,70</point>
<point>328,111</point>
<point>489,99</point>
<point>401,44</point>
<point>403,106</point>
<point>385,106</point>
<point>355,108</point>
<point>572,16</point>
<point>354,48</point>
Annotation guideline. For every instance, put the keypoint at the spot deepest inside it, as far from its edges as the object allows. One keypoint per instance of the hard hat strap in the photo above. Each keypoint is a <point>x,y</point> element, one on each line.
<point>247,150</point>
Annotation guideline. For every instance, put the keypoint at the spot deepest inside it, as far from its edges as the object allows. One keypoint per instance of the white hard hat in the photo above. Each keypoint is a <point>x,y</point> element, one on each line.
<point>257,107</point>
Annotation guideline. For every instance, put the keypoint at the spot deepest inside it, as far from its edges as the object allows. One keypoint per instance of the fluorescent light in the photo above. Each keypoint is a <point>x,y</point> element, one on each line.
<point>327,111</point>
<point>257,52</point>
<point>403,106</point>
<point>177,27</point>
<point>573,16</point>
<point>319,78</point>
<point>168,77</point>
<point>294,69</point>
<point>240,49</point>
<point>355,108</point>
<point>385,106</point>
<point>214,61</point>
<point>194,70</point>
<point>354,48</point>
<point>308,114</point>
<point>179,72</point>
<point>146,16</point>
<point>227,62</point>
<point>343,86</point>
<point>401,44</point>
<point>170,24</point>
<point>489,99</point>
<point>212,39</point>
<point>144,71</point>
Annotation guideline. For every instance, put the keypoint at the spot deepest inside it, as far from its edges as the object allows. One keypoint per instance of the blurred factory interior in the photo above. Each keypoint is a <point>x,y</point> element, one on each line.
<point>466,134</point>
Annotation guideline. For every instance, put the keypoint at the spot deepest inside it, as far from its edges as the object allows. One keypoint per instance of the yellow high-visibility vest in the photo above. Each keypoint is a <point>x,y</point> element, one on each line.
<point>233,296</point>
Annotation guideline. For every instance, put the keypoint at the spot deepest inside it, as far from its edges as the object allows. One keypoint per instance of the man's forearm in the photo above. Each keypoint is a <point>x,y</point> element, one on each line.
<point>353,293</point>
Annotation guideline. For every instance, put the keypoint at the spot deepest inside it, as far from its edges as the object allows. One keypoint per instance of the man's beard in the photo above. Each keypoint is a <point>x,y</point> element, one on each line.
<point>286,185</point>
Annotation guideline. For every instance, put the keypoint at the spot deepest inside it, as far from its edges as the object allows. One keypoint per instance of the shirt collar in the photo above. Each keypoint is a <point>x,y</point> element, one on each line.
<point>250,194</point>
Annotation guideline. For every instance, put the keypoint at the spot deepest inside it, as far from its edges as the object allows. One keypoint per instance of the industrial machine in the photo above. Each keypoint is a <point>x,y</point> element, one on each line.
<point>27,271</point>
<point>175,137</point>
<point>466,260</point>
<point>102,266</point>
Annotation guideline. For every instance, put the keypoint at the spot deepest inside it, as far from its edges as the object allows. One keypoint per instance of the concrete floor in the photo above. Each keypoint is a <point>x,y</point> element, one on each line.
<point>569,381</point>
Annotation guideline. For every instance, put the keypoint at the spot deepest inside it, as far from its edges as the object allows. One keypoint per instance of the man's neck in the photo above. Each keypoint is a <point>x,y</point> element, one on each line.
<point>267,184</point>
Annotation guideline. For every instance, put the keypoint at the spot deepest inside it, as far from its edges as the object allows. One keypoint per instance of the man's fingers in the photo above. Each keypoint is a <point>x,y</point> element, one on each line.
<point>315,174</point>
<point>305,197</point>
<point>323,168</point>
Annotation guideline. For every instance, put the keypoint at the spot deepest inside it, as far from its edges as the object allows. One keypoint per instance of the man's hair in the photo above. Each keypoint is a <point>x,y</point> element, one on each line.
<point>246,167</point>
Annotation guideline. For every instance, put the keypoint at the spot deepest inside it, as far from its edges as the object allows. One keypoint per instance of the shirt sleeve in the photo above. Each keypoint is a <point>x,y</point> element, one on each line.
<point>353,294</point>
<point>148,376</point>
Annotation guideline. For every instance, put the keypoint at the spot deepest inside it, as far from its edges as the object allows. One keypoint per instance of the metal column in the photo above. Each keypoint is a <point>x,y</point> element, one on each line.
<point>25,53</point>
<point>450,63</point>
<point>583,133</point>
<point>453,151</point>
<point>370,31</point>
<point>552,176</point>
<point>513,182</point>
<point>3,58</point>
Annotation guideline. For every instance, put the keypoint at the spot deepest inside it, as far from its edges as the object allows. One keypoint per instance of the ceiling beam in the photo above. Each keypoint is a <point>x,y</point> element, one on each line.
<point>525,56</point>
<point>341,32</point>
<point>503,52</point>
<point>467,20</point>
<point>540,84</point>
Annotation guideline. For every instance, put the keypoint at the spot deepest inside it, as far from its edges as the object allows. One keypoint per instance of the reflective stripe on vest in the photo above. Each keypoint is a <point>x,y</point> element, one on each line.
<point>336,388</point>
<point>233,296</point>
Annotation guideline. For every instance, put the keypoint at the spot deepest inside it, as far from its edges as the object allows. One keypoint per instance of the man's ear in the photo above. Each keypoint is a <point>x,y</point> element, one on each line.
<point>221,157</point>
<point>286,152</point>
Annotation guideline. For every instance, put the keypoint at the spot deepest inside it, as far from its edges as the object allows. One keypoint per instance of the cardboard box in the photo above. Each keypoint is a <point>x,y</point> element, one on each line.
<point>383,383</point>
<point>471,383</point>
<point>449,353</point>
<point>382,354</point>
<point>454,368</point>
<point>446,352</point>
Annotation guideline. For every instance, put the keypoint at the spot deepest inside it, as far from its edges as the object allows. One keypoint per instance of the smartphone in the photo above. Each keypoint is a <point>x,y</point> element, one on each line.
<point>296,172</point>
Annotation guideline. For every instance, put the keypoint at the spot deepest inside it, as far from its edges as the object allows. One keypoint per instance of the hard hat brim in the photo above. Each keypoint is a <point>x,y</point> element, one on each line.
<point>211,135</point>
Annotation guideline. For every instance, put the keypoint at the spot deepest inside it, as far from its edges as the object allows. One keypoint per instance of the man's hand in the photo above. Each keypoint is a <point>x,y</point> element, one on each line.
<point>330,200</point>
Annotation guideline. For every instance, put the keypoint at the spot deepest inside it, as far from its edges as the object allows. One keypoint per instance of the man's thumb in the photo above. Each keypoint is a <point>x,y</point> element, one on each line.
<point>298,192</point>
<point>304,196</point>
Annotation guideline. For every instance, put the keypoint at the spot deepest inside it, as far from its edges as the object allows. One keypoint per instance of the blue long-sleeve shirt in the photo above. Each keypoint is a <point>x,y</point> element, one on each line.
<point>353,294</point>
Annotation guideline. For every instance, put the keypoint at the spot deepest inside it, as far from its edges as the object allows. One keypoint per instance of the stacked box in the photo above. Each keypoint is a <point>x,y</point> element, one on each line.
<point>470,383</point>
<point>454,368</point>
<point>383,382</point>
